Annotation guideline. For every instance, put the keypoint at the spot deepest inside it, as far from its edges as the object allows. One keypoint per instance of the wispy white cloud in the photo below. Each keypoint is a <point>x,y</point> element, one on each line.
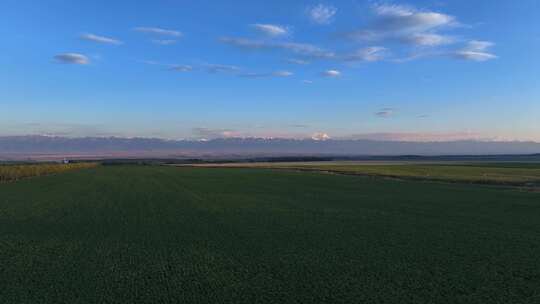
<point>370,54</point>
<point>181,68</point>
<point>266,75</point>
<point>272,30</point>
<point>408,25</point>
<point>428,39</point>
<point>476,51</point>
<point>306,49</point>
<point>72,58</point>
<point>422,29</point>
<point>322,14</point>
<point>283,74</point>
<point>219,68</point>
<point>212,69</point>
<point>385,113</point>
<point>331,73</point>
<point>398,17</point>
<point>222,68</point>
<point>164,41</point>
<point>208,67</point>
<point>159,31</point>
<point>297,61</point>
<point>100,39</point>
<point>303,49</point>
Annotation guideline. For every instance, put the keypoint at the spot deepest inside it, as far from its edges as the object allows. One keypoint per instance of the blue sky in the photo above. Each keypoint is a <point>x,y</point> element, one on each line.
<point>415,70</point>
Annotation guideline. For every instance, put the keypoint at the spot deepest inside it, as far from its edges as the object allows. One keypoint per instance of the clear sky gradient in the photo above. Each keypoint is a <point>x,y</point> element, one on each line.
<point>415,70</point>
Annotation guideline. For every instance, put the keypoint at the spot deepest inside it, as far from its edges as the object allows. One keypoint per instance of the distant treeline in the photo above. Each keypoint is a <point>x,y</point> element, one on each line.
<point>535,158</point>
<point>15,172</point>
<point>113,162</point>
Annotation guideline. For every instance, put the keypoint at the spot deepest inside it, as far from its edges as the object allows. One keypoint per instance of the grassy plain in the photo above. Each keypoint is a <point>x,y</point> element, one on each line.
<point>156,234</point>
<point>517,174</point>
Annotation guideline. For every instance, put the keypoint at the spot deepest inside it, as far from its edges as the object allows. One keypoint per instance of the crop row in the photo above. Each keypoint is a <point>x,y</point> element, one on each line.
<point>15,172</point>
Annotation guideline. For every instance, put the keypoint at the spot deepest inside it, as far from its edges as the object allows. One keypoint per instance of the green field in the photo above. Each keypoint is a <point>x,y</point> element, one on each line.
<point>156,234</point>
<point>511,174</point>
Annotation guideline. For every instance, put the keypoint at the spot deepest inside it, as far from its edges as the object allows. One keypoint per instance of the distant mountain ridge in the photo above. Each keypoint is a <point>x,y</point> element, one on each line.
<point>28,145</point>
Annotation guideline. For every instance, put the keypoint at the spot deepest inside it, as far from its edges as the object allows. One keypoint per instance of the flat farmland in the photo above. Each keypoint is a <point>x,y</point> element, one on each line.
<point>158,234</point>
<point>509,173</point>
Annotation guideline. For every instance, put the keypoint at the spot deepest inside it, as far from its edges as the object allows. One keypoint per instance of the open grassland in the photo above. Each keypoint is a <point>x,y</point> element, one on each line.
<point>149,234</point>
<point>516,174</point>
<point>15,172</point>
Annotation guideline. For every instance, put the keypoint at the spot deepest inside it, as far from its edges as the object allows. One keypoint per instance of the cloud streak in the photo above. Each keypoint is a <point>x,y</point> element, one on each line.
<point>100,39</point>
<point>72,58</point>
<point>159,31</point>
<point>428,39</point>
<point>181,68</point>
<point>221,68</point>
<point>303,49</point>
<point>164,41</point>
<point>278,74</point>
<point>297,61</point>
<point>369,54</point>
<point>331,73</point>
<point>476,51</point>
<point>271,30</point>
<point>385,113</point>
